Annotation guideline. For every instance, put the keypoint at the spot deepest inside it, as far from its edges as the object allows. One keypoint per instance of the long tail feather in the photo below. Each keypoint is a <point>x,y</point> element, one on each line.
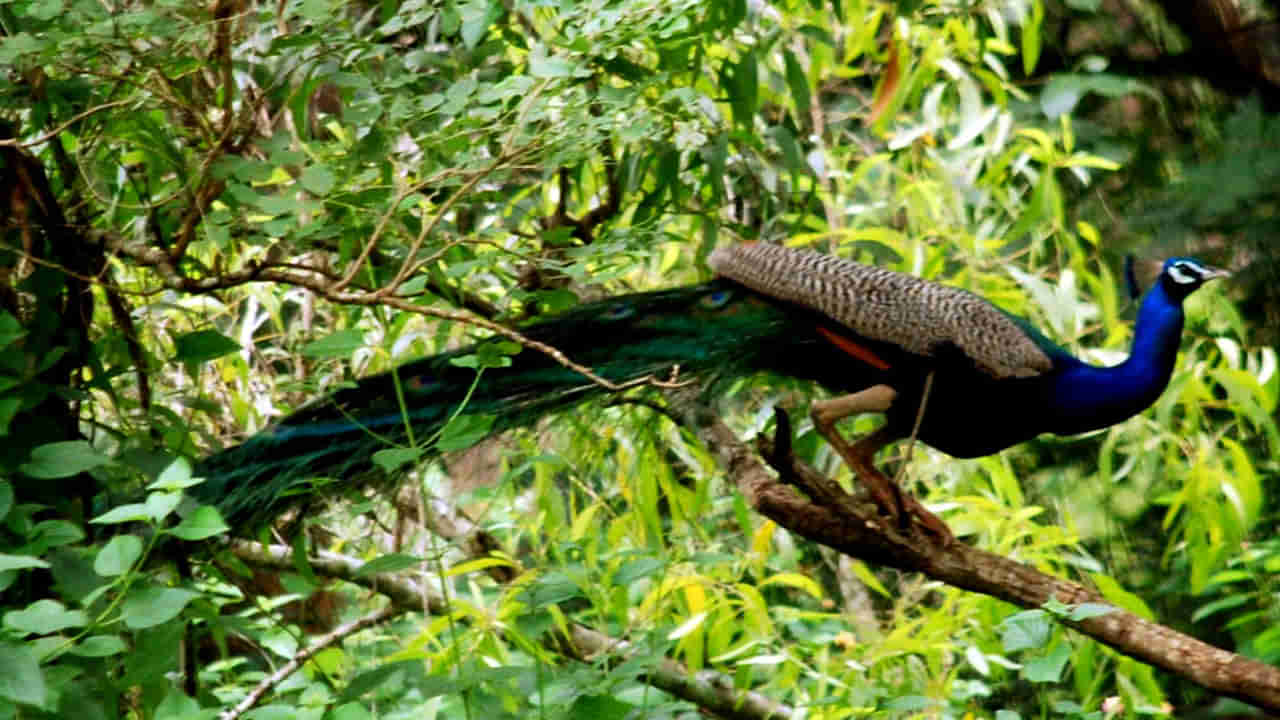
<point>710,327</point>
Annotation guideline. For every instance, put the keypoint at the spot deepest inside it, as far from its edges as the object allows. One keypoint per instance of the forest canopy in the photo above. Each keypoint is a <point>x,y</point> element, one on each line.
<point>213,216</point>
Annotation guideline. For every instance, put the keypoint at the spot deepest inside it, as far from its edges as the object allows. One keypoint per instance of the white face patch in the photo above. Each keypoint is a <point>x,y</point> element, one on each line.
<point>1183,274</point>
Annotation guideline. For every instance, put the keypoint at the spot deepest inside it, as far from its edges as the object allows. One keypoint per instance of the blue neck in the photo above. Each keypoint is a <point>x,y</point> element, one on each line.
<point>1094,397</point>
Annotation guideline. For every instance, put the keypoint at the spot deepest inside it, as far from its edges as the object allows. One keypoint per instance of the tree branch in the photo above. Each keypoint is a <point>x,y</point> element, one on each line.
<point>297,661</point>
<point>856,530</point>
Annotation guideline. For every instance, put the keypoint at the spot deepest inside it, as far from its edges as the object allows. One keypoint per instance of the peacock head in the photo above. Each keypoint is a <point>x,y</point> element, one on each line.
<point>1181,276</point>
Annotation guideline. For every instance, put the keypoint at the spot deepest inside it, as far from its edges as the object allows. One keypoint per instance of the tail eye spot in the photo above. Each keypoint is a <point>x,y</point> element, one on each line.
<point>619,312</point>
<point>717,298</point>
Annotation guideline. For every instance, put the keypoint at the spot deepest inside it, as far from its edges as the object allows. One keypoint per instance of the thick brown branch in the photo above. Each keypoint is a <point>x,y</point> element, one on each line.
<point>859,533</point>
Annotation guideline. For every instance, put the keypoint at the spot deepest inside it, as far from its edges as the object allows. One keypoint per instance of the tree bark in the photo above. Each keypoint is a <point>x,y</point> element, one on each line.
<point>840,521</point>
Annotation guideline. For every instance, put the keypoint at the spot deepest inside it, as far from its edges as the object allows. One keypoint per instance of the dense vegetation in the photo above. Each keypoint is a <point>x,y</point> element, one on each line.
<point>215,213</point>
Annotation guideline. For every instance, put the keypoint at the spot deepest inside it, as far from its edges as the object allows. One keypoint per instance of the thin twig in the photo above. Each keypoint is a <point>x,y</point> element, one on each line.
<point>45,137</point>
<point>302,657</point>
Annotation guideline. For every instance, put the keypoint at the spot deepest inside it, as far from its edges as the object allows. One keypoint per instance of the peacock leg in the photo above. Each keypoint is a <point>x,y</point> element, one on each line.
<point>884,492</point>
<point>826,413</point>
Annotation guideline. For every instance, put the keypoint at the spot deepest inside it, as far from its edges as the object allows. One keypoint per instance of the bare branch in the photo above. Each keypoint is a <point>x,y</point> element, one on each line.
<point>289,668</point>
<point>855,529</point>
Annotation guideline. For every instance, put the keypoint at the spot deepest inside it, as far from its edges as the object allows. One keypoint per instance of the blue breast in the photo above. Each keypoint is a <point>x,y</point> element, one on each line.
<point>1084,397</point>
<point>971,414</point>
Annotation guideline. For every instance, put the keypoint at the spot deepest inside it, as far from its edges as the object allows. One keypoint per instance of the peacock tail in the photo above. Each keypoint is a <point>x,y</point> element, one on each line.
<point>328,447</point>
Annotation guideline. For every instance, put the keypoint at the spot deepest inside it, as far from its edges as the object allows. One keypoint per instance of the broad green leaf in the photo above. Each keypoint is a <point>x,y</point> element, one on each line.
<point>160,504</point>
<point>203,346</point>
<point>350,711</point>
<point>389,563</point>
<point>1025,630</point>
<point>317,179</point>
<point>44,617</point>
<point>10,330</point>
<point>176,476</point>
<point>392,459</point>
<point>205,522</point>
<point>123,514</point>
<point>600,707</point>
<point>150,606</point>
<point>338,345</point>
<point>63,459</point>
<point>21,680</point>
<point>1112,591</point>
<point>477,16</point>
<point>20,562</point>
<point>100,646</point>
<point>463,431</point>
<point>1048,668</point>
<point>117,556</point>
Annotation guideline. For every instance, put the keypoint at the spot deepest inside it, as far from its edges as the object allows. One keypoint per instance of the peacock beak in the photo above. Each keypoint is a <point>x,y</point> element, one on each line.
<point>1211,272</point>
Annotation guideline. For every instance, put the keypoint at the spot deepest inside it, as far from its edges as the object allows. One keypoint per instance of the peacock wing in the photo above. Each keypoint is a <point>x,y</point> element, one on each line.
<point>919,316</point>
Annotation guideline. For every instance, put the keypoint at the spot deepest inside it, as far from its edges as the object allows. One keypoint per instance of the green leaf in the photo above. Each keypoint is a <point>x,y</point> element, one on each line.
<point>317,179</point>
<point>1048,668</point>
<point>377,677</point>
<point>463,431</point>
<point>150,606</point>
<point>160,504</point>
<point>100,646</point>
<point>542,65</point>
<point>51,534</point>
<point>21,680</point>
<point>10,330</point>
<point>1226,603</point>
<point>20,562</point>
<point>392,562</point>
<point>1084,611</point>
<point>117,556</point>
<point>43,617</point>
<point>340,344</point>
<point>599,707</point>
<point>489,354</point>
<point>799,85</point>
<point>176,476</point>
<point>203,346</point>
<point>1064,90</point>
<point>1024,630</point>
<point>1112,591</point>
<point>123,514</point>
<point>6,498</point>
<point>744,90</point>
<point>477,16</point>
<point>392,459</point>
<point>350,711</point>
<point>9,407</point>
<point>63,459</point>
<point>205,522</point>
<point>177,706</point>
<point>1031,37</point>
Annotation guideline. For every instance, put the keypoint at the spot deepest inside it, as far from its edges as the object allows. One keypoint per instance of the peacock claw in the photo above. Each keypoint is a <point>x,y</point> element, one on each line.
<point>780,457</point>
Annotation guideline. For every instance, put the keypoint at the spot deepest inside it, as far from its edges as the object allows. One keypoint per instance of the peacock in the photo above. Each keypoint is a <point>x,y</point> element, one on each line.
<point>943,365</point>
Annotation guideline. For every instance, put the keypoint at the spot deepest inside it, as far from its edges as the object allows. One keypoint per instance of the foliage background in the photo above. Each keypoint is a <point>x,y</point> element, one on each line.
<point>216,213</point>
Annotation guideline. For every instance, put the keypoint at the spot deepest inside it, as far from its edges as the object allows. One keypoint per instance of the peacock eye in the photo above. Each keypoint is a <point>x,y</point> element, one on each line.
<point>1184,273</point>
<point>619,311</point>
<point>716,299</point>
